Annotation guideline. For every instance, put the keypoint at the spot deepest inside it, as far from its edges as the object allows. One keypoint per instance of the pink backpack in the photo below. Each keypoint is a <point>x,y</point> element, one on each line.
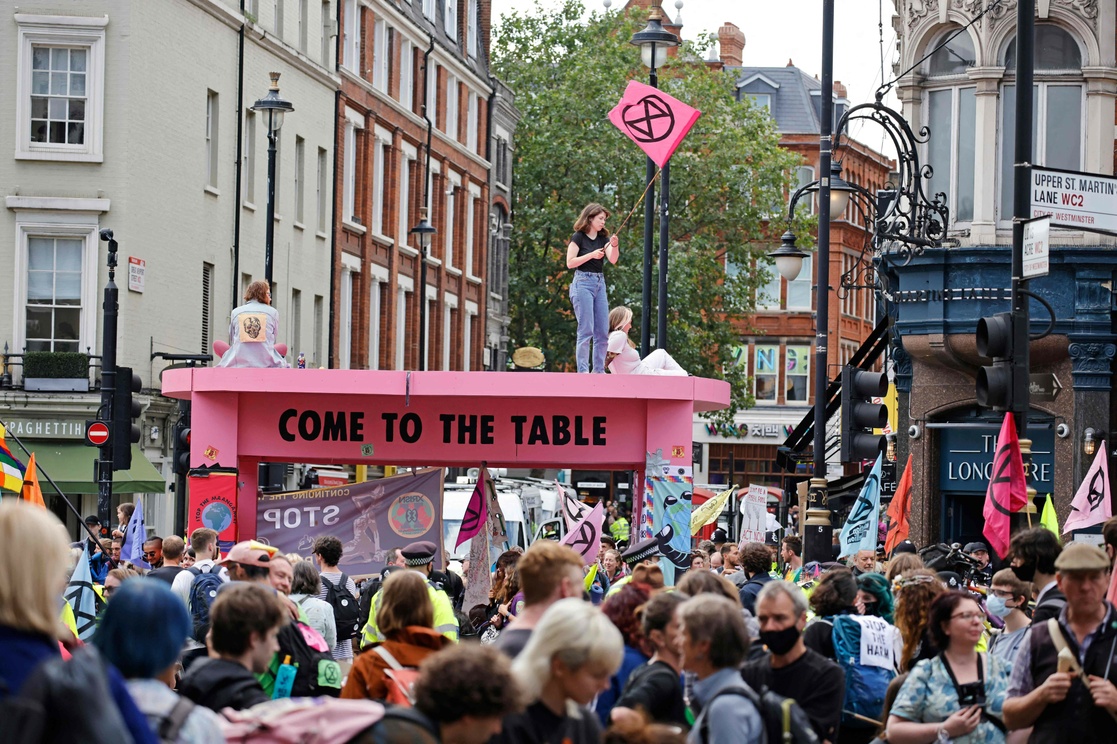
<point>321,720</point>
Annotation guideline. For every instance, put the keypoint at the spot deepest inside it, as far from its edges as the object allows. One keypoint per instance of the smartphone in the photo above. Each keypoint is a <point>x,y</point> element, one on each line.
<point>971,693</point>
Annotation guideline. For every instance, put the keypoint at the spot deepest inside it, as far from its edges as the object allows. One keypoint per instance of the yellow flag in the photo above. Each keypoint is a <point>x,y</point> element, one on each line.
<point>591,576</point>
<point>1048,519</point>
<point>709,511</point>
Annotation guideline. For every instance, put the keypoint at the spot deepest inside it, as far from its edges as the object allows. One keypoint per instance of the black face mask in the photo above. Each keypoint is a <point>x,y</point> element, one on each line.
<point>779,642</point>
<point>1027,572</point>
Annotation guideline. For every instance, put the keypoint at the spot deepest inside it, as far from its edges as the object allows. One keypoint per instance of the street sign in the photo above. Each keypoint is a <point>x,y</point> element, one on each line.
<point>1037,246</point>
<point>96,433</point>
<point>1079,201</point>
<point>1045,386</point>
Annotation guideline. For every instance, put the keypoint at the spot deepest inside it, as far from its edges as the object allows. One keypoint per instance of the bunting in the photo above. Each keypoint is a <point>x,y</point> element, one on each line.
<point>899,512</point>
<point>861,527</point>
<point>655,121</point>
<point>1008,488</point>
<point>476,514</point>
<point>1092,503</point>
<point>80,597</point>
<point>31,492</point>
<point>11,469</point>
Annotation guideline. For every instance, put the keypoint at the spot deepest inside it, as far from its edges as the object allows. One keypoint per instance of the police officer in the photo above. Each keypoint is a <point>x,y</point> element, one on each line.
<point>645,551</point>
<point>979,551</point>
<point>418,556</point>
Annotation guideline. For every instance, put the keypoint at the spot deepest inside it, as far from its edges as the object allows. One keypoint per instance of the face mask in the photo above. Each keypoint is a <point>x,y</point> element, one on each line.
<point>779,642</point>
<point>998,606</point>
<point>1027,572</point>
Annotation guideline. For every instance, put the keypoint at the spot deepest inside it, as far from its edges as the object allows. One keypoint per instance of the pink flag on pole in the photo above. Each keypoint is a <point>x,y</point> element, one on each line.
<point>1008,488</point>
<point>1092,503</point>
<point>585,538</point>
<point>655,121</point>
<point>476,513</point>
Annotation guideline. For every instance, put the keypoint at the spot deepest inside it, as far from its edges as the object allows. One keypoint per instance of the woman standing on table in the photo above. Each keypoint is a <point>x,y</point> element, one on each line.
<point>590,245</point>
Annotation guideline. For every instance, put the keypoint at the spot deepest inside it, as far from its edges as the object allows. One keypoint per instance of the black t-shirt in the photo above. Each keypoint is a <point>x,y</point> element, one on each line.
<point>658,690</point>
<point>816,683</point>
<point>512,641</point>
<point>586,245</point>
<point>166,573</point>
<point>539,725</point>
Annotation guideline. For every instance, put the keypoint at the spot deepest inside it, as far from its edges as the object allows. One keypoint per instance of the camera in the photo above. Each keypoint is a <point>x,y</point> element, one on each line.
<point>914,431</point>
<point>106,234</point>
<point>971,693</point>
<point>1062,431</point>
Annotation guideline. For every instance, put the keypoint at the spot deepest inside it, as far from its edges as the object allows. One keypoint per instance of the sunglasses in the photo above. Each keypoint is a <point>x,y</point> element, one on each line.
<point>148,553</point>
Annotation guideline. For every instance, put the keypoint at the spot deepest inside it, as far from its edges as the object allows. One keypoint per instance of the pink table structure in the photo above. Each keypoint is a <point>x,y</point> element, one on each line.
<point>241,417</point>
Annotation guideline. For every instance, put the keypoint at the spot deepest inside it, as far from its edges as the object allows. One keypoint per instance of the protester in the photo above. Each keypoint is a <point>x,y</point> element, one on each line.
<point>114,579</point>
<point>612,566</point>
<point>1007,600</point>
<point>874,596</point>
<point>305,586</point>
<point>699,560</point>
<point>245,620</point>
<point>153,552</point>
<point>1109,537</point>
<point>655,689</point>
<point>643,552</point>
<point>958,695</point>
<point>173,549</point>
<point>589,248</point>
<point>622,610</point>
<point>791,553</point>
<point>756,562</point>
<point>1070,706</point>
<point>328,551</point>
<point>141,634</point>
<point>622,357</point>
<point>915,591</point>
<point>1032,555</point>
<point>716,562</point>
<point>791,669</point>
<point>694,583</point>
<point>117,544</point>
<point>505,588</point>
<point>835,594</point>
<point>549,572</point>
<point>979,551</point>
<point>713,643</point>
<point>863,561</point>
<point>902,563</point>
<point>188,558</point>
<point>731,563</point>
<point>254,331</point>
<point>564,665</point>
<point>419,557</point>
<point>204,542</point>
<point>123,516</point>
<point>280,573</point>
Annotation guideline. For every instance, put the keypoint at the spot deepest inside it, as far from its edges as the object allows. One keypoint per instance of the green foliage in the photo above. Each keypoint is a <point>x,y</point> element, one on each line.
<point>728,176</point>
<point>56,364</point>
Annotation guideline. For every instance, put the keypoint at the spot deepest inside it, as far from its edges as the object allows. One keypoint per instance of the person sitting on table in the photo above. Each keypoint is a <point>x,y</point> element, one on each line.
<point>253,331</point>
<point>622,358</point>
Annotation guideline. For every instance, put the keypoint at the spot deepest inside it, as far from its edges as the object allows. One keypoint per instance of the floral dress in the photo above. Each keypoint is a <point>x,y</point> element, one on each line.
<point>928,696</point>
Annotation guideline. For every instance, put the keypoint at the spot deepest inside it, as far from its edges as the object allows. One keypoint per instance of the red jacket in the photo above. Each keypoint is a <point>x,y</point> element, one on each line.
<point>409,647</point>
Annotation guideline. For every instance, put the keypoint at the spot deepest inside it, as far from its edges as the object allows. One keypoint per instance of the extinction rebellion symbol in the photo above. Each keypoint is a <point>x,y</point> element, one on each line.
<point>649,120</point>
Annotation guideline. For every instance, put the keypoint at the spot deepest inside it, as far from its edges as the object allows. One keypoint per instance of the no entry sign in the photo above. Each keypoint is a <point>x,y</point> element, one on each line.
<point>96,433</point>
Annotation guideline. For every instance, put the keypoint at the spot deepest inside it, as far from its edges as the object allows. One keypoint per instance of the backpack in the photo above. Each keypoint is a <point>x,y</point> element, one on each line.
<point>316,671</point>
<point>171,725</point>
<point>400,679</point>
<point>784,721</point>
<point>347,613</point>
<point>203,590</point>
<point>866,683</point>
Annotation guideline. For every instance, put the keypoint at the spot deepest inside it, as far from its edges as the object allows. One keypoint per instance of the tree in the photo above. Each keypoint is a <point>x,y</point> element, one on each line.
<point>729,175</point>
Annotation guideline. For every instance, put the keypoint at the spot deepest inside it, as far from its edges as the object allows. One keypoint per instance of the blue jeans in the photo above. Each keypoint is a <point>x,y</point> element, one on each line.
<point>591,309</point>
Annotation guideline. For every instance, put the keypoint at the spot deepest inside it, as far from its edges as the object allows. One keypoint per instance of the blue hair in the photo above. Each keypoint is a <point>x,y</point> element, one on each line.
<point>143,628</point>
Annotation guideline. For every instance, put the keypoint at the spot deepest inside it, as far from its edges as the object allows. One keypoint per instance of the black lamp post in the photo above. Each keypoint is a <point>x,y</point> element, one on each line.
<point>654,41</point>
<point>424,230</point>
<point>273,108</point>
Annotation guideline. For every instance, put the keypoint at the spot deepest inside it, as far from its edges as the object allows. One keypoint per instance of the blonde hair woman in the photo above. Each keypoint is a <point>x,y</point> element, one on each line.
<point>622,358</point>
<point>586,253</point>
<point>572,653</point>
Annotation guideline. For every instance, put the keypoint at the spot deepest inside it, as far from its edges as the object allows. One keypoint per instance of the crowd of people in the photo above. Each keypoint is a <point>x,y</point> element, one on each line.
<point>751,645</point>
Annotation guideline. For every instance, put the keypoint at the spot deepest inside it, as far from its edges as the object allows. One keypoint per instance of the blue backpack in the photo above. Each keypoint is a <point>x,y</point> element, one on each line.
<point>203,590</point>
<point>866,684</point>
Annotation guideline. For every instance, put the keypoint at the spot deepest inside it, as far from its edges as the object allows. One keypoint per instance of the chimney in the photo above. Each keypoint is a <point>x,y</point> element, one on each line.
<point>840,90</point>
<point>731,41</point>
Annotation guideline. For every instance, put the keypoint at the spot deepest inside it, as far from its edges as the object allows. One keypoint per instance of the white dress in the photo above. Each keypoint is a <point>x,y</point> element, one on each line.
<point>253,332</point>
<point>628,362</point>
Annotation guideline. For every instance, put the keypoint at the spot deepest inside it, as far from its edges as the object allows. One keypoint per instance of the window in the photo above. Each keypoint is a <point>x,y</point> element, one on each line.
<point>380,167</point>
<point>375,308</point>
<point>470,228</point>
<point>300,176</point>
<point>295,322</point>
<point>428,8</point>
<point>472,123</point>
<point>451,20</point>
<point>351,37</point>
<point>452,187</point>
<point>797,379</point>
<point>328,34</point>
<point>767,294</point>
<point>403,303</point>
<point>448,315</point>
<point>211,139</point>
<point>766,372</point>
<point>761,100</point>
<point>452,106</point>
<point>471,27</point>
<point>278,174</point>
<point>406,75</point>
<point>323,189</point>
<point>952,119</point>
<point>804,174</point>
<point>345,314</point>
<point>431,79</point>
<point>349,177</point>
<point>60,88</point>
<point>304,12</point>
<point>319,331</point>
<point>249,157</point>
<point>207,307</point>
<point>503,165</point>
<point>467,336</point>
<point>381,52</point>
<point>405,197</point>
<point>1058,116</point>
<point>54,290</point>
<point>799,295</point>
<point>279,19</point>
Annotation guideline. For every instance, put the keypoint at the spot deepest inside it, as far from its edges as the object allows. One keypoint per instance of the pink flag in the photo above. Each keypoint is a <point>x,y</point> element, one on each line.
<point>476,513</point>
<point>1092,504</point>
<point>586,535</point>
<point>1008,488</point>
<point>653,120</point>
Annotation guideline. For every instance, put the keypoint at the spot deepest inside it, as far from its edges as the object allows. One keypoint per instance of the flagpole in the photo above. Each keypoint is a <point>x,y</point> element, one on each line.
<point>50,480</point>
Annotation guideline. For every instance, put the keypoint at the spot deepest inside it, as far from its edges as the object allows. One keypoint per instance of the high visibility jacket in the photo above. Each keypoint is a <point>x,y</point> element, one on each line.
<point>444,620</point>
<point>619,529</point>
<point>617,585</point>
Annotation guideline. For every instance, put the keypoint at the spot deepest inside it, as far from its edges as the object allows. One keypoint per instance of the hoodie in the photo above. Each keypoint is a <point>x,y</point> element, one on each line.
<point>217,684</point>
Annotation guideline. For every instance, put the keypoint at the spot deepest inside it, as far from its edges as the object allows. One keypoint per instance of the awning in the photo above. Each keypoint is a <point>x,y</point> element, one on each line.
<point>70,465</point>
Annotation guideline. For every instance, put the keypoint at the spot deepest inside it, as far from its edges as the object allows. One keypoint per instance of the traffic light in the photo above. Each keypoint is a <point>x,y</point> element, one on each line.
<point>860,415</point>
<point>125,411</point>
<point>994,341</point>
<point>182,446</point>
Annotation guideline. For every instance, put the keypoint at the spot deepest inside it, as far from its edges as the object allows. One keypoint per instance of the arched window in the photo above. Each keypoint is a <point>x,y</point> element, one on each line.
<point>951,115</point>
<point>1058,116</point>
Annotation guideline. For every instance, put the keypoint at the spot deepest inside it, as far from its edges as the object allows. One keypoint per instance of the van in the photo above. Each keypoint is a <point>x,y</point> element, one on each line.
<point>454,503</point>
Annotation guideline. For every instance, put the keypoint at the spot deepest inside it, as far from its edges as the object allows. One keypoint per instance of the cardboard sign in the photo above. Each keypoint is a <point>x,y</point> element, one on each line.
<point>754,514</point>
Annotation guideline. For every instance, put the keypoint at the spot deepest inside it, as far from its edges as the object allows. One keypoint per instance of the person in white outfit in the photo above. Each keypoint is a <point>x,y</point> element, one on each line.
<point>623,358</point>
<point>254,331</point>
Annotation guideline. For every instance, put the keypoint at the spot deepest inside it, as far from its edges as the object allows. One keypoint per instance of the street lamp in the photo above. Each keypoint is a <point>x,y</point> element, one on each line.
<point>424,230</point>
<point>654,41</point>
<point>788,258</point>
<point>273,108</point>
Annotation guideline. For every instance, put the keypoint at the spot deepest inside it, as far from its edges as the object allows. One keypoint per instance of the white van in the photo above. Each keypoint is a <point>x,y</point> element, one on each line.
<point>454,503</point>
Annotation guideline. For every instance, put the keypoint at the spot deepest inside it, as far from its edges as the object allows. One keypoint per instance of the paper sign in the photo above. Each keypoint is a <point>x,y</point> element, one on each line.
<point>754,513</point>
<point>877,642</point>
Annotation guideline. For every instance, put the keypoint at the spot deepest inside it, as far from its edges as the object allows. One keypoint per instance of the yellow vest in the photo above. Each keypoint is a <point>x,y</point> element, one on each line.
<point>444,620</point>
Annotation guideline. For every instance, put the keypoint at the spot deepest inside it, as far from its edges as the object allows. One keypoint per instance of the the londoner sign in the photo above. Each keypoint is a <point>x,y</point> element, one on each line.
<point>1079,201</point>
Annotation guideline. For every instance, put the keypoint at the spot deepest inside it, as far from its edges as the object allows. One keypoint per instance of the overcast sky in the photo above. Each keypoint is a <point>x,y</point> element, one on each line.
<point>786,29</point>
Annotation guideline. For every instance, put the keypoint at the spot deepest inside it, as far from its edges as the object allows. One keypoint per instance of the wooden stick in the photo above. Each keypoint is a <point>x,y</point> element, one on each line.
<point>637,204</point>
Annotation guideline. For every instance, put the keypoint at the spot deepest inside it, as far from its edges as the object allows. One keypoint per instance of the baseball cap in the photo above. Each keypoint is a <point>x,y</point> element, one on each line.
<point>250,553</point>
<point>974,547</point>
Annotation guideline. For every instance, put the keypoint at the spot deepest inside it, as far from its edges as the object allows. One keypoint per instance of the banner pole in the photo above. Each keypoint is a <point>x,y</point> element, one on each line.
<point>637,204</point>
